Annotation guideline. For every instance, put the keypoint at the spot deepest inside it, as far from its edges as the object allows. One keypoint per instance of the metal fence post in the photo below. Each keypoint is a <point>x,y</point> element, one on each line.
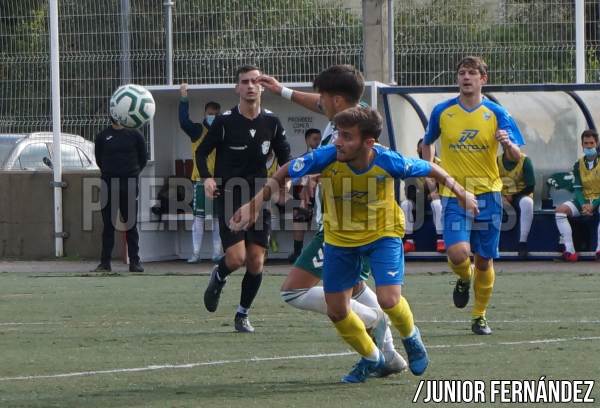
<point>169,39</point>
<point>580,41</point>
<point>57,159</point>
<point>125,43</point>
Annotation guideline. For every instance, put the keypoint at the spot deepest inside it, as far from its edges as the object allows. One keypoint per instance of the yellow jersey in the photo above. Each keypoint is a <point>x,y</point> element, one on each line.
<point>468,145</point>
<point>590,180</point>
<point>359,207</point>
<point>513,180</point>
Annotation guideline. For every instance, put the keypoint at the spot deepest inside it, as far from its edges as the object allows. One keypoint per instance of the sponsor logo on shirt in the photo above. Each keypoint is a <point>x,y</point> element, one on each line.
<point>466,142</point>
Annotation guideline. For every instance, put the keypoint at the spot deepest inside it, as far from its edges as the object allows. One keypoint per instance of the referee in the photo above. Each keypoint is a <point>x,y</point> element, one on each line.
<point>243,138</point>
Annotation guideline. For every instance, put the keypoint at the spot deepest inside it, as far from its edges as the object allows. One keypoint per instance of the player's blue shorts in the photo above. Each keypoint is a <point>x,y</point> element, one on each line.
<point>483,233</point>
<point>342,265</point>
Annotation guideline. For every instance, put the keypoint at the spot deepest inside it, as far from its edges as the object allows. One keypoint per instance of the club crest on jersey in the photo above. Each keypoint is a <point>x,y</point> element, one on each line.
<point>298,164</point>
<point>486,115</point>
<point>265,147</point>
<point>252,132</point>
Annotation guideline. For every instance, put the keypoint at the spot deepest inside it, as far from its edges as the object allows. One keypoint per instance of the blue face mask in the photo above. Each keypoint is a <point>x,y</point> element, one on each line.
<point>590,152</point>
<point>209,119</point>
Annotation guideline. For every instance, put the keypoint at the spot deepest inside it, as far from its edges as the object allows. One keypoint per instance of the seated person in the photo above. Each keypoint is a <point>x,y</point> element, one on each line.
<point>428,188</point>
<point>518,183</point>
<point>586,172</point>
<point>303,214</point>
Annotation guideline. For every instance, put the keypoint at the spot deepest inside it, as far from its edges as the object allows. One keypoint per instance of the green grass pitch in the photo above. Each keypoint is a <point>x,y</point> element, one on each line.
<point>146,341</point>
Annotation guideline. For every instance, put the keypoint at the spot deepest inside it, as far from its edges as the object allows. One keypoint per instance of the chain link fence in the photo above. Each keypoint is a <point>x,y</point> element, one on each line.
<point>104,44</point>
<point>523,41</point>
<point>107,43</point>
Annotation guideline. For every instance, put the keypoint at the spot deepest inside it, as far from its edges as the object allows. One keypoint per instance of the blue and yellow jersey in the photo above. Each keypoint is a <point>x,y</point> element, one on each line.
<point>359,207</point>
<point>468,145</point>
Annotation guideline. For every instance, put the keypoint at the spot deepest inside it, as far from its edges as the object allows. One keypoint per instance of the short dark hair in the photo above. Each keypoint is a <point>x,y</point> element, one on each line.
<point>243,69</point>
<point>368,120</point>
<point>473,62</point>
<point>113,120</point>
<point>343,80</point>
<point>213,105</point>
<point>589,133</point>
<point>419,142</point>
<point>310,131</point>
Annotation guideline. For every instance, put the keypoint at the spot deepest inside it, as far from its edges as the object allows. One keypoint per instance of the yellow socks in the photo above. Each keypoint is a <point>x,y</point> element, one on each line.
<point>353,331</point>
<point>463,270</point>
<point>483,285</point>
<point>401,317</point>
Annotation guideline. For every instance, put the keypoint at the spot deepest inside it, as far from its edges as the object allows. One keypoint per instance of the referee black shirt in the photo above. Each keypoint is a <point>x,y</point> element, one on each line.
<point>242,146</point>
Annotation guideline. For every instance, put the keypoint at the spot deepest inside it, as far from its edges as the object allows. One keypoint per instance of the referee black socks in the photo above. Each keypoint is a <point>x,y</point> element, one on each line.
<point>250,285</point>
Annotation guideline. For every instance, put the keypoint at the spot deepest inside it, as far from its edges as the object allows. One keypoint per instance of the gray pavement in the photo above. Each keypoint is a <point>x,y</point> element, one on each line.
<point>279,268</point>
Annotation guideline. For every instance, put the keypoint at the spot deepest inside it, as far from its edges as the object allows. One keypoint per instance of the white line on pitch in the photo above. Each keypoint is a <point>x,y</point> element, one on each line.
<point>261,359</point>
<point>95,324</point>
<point>515,321</point>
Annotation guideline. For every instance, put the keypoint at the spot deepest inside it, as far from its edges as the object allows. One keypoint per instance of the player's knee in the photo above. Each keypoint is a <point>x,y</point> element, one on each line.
<point>457,253</point>
<point>387,301</point>
<point>336,315</point>
<point>482,264</point>
<point>389,296</point>
<point>254,266</point>
<point>235,260</point>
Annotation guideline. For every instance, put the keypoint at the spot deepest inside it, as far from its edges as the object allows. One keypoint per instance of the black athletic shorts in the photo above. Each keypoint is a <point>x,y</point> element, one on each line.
<point>226,205</point>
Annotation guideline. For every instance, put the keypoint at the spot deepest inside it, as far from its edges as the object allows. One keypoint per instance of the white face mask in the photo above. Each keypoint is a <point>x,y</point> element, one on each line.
<point>209,119</point>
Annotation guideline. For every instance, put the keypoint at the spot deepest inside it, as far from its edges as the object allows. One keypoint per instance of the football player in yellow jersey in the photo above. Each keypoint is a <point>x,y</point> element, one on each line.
<point>196,133</point>
<point>470,129</point>
<point>587,194</point>
<point>361,220</point>
<point>518,183</point>
<point>337,88</point>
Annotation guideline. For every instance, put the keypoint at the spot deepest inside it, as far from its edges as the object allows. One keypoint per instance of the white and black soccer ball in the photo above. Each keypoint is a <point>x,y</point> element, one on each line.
<point>132,106</point>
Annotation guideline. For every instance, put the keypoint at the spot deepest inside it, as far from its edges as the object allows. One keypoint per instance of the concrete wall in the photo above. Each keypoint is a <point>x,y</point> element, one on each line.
<point>27,218</point>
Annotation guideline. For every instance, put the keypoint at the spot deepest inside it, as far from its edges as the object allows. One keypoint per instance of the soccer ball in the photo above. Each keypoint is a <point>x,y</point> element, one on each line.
<point>132,106</point>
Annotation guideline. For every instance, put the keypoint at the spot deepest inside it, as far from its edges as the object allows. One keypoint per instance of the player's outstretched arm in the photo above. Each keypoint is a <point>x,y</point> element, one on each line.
<point>307,99</point>
<point>247,214</point>
<point>466,199</point>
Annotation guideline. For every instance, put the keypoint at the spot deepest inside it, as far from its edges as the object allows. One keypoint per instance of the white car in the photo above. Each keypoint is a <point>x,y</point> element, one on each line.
<point>33,151</point>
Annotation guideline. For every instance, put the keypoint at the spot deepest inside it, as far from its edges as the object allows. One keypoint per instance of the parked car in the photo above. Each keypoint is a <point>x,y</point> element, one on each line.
<point>33,151</point>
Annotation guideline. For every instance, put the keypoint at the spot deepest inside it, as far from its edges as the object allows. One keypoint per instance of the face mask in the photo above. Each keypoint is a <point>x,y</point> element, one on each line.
<point>590,152</point>
<point>209,119</point>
